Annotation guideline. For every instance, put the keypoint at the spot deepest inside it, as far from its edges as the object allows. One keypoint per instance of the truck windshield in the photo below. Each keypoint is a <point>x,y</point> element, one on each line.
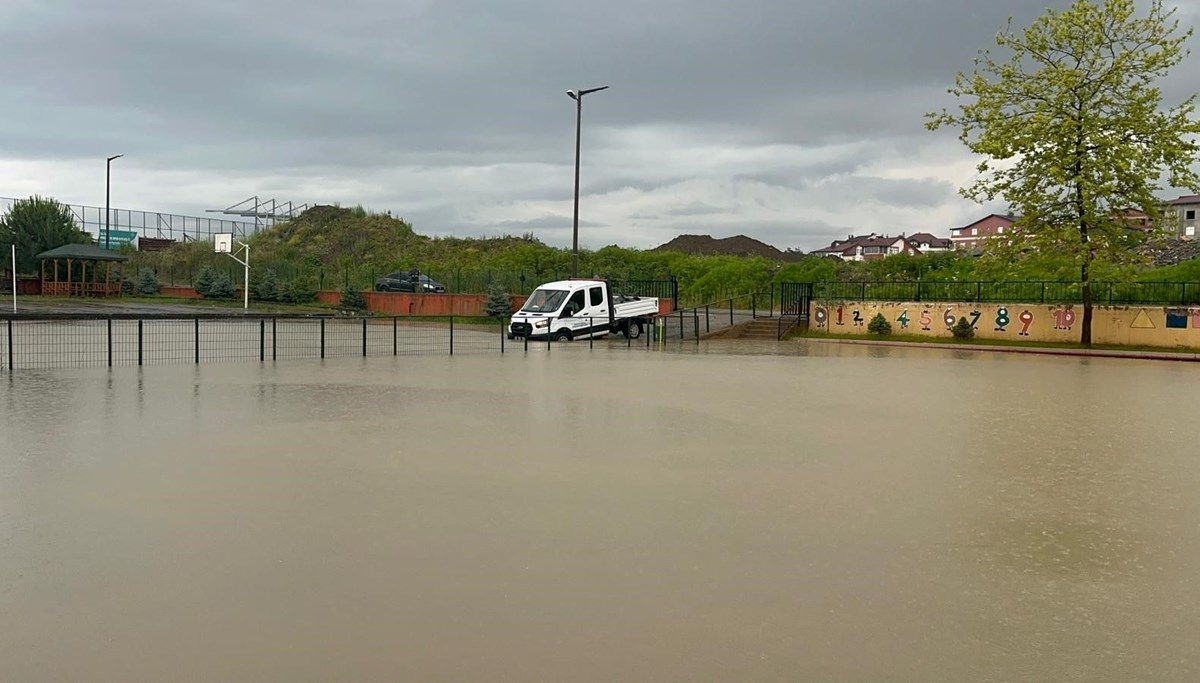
<point>545,300</point>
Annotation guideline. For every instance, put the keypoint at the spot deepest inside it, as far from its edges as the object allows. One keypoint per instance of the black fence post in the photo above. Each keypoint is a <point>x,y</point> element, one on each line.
<point>1043,291</point>
<point>1182,293</point>
<point>11,353</point>
<point>863,296</point>
<point>274,337</point>
<point>394,336</point>
<point>262,340</point>
<point>592,336</point>
<point>918,296</point>
<point>196,338</point>
<point>322,338</point>
<point>364,337</point>
<point>109,341</point>
<point>139,342</point>
<point>451,335</point>
<point>771,310</point>
<point>754,306</point>
<point>707,322</point>
<point>502,334</point>
<point>681,324</point>
<point>696,323</point>
<point>731,312</point>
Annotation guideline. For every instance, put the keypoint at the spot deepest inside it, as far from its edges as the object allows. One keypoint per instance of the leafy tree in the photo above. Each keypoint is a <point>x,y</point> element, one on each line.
<point>1074,132</point>
<point>353,299</point>
<point>498,304</point>
<point>38,224</point>
<point>147,283</point>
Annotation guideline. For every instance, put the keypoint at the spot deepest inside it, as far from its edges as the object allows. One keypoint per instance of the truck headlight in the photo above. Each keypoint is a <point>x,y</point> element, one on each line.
<point>542,323</point>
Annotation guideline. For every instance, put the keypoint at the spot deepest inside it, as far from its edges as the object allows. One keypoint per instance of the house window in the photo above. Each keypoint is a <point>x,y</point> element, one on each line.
<point>1190,214</point>
<point>1189,231</point>
<point>973,231</point>
<point>1000,230</point>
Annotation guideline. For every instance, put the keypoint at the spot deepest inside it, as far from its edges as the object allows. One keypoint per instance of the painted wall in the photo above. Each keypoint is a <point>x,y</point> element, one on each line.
<point>1165,327</point>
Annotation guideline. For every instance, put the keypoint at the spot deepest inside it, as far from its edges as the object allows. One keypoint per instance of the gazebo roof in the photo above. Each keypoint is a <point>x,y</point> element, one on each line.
<point>83,252</point>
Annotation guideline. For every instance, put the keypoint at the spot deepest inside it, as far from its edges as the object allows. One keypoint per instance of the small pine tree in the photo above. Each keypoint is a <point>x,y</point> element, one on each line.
<point>498,304</point>
<point>353,299</point>
<point>267,287</point>
<point>204,281</point>
<point>147,283</point>
<point>879,325</point>
<point>222,287</point>
<point>963,329</point>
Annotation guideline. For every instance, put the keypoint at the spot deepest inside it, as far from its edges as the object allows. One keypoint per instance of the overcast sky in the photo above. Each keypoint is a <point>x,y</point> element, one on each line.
<point>791,122</point>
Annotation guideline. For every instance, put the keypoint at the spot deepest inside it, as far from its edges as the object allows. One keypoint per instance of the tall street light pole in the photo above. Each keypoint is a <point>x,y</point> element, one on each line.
<point>108,194</point>
<point>577,95</point>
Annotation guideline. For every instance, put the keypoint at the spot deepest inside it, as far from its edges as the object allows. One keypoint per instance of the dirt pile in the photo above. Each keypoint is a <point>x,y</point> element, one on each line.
<point>1170,252</point>
<point>738,245</point>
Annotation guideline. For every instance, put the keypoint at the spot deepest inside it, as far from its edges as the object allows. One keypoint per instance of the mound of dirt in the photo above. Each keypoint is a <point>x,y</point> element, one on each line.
<point>1170,252</point>
<point>738,245</point>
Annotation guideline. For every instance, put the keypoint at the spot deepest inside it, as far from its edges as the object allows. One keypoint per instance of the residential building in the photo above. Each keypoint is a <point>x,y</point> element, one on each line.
<point>926,243</point>
<point>1185,210</point>
<point>972,235</point>
<point>867,248</point>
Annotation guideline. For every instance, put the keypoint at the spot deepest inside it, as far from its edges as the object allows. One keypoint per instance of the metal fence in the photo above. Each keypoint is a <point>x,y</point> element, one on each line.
<point>1044,292</point>
<point>155,224</point>
<point>30,341</point>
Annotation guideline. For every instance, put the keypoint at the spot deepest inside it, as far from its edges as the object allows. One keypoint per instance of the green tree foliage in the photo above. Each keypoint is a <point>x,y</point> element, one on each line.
<point>35,225</point>
<point>963,329</point>
<point>222,287</point>
<point>266,288</point>
<point>147,283</point>
<point>1073,132</point>
<point>353,299</point>
<point>204,281</point>
<point>879,325</point>
<point>498,303</point>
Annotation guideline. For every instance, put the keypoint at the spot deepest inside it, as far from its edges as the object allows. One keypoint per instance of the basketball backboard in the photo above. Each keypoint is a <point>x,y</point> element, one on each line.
<point>223,243</point>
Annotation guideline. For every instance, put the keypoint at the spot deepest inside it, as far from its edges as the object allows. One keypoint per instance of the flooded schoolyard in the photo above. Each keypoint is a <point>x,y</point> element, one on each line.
<point>716,512</point>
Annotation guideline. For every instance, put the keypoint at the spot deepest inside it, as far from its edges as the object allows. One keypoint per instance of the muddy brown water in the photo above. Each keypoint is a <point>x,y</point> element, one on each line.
<point>821,513</point>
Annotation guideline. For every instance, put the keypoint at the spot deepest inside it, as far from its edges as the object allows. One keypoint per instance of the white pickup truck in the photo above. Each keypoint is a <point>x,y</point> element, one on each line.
<point>578,309</point>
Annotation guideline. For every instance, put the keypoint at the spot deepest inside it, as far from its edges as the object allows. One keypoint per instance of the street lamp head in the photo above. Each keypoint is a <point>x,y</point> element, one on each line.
<point>572,95</point>
<point>589,91</point>
<point>118,156</point>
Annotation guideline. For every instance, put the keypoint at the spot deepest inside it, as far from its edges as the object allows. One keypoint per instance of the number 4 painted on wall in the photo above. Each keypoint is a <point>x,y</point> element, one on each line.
<point>903,320</point>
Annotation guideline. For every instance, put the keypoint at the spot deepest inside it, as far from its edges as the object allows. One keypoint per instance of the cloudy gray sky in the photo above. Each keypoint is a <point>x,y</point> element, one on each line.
<point>792,122</point>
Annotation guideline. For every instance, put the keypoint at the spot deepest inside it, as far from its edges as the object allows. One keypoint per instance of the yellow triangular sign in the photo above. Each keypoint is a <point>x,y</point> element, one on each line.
<point>1142,322</point>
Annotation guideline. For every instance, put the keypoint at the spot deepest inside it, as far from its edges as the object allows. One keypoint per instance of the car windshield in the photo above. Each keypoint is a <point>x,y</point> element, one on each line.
<point>545,300</point>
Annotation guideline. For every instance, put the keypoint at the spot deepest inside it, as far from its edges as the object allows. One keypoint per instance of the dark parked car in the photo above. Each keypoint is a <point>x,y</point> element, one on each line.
<point>404,282</point>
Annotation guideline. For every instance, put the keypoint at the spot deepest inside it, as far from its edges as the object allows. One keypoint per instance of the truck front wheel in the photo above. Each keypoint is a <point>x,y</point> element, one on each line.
<point>562,336</point>
<point>633,329</point>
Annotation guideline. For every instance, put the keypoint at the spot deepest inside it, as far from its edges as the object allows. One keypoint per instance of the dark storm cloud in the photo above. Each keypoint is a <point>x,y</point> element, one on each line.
<point>454,111</point>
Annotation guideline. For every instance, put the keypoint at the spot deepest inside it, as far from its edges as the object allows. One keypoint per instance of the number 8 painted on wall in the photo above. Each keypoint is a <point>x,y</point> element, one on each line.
<point>1002,319</point>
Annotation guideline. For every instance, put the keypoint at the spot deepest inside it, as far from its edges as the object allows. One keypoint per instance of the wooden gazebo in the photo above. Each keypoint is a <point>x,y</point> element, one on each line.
<point>81,260</point>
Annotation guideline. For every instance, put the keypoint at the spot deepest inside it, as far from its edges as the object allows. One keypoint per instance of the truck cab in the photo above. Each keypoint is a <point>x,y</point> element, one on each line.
<point>579,309</point>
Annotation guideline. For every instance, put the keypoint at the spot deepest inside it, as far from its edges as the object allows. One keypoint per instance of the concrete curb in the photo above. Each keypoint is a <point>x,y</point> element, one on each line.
<point>1049,351</point>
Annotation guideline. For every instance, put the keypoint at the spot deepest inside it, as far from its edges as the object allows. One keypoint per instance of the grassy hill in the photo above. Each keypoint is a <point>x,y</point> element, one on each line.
<point>329,247</point>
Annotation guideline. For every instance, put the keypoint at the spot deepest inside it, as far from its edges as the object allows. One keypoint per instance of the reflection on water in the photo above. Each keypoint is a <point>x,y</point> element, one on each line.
<point>717,512</point>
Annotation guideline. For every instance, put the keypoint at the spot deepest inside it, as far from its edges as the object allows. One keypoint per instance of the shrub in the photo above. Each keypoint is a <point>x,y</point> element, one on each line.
<point>297,291</point>
<point>221,287</point>
<point>879,325</point>
<point>267,287</point>
<point>147,283</point>
<point>498,305</point>
<point>962,329</point>
<point>353,299</point>
<point>204,280</point>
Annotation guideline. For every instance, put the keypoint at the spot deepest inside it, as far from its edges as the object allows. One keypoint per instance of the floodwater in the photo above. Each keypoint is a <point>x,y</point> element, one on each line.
<point>828,513</point>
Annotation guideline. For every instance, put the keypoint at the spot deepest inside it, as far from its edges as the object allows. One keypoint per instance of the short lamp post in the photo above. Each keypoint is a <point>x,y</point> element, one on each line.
<point>577,95</point>
<point>108,194</point>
